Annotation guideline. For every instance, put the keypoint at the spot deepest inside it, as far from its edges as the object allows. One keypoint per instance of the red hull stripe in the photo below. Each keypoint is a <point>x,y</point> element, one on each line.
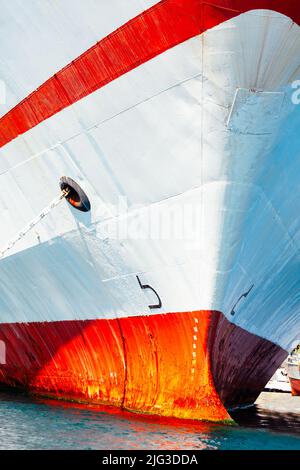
<point>153,365</point>
<point>181,365</point>
<point>295,385</point>
<point>166,24</point>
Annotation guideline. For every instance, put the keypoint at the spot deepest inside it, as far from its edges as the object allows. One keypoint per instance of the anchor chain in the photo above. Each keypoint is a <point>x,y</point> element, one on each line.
<point>34,222</point>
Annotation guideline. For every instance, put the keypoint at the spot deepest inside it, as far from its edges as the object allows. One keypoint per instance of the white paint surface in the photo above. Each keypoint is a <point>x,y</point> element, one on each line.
<point>39,37</point>
<point>184,129</point>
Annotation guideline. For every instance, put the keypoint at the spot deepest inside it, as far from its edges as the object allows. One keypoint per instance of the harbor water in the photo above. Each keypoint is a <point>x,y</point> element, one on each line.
<point>31,423</point>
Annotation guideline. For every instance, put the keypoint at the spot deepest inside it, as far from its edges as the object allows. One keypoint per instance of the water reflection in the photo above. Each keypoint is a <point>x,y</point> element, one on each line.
<point>257,417</point>
<point>45,424</point>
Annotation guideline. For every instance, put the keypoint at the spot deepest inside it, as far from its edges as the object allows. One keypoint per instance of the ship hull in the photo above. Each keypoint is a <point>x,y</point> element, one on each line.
<point>294,376</point>
<point>192,365</point>
<point>177,294</point>
<point>295,386</point>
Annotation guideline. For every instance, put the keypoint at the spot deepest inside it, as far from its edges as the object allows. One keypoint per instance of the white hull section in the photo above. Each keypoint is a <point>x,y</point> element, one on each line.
<point>59,32</point>
<point>182,134</point>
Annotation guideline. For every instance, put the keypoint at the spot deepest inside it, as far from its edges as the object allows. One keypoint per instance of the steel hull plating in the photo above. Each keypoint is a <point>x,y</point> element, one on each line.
<point>295,385</point>
<point>294,376</point>
<point>183,365</point>
<point>187,112</point>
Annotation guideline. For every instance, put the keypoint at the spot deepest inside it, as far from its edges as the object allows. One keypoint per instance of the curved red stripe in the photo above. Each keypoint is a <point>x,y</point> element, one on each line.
<point>168,23</point>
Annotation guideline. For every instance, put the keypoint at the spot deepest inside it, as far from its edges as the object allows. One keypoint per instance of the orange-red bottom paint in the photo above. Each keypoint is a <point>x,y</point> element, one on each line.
<point>159,364</point>
<point>295,386</point>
